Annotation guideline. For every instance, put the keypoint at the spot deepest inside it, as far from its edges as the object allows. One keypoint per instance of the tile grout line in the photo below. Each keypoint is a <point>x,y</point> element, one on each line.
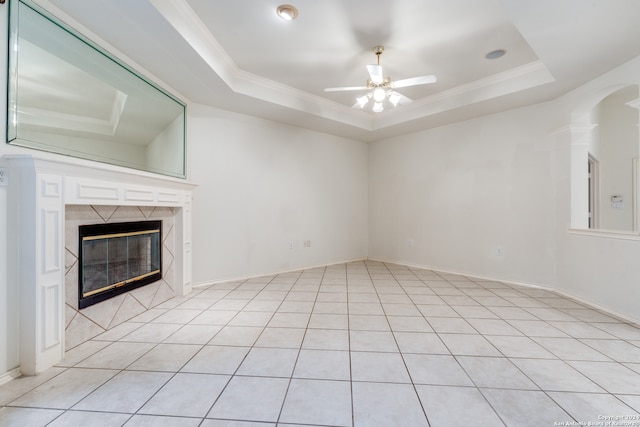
<point>398,277</point>
<point>404,361</point>
<point>235,373</point>
<point>286,393</point>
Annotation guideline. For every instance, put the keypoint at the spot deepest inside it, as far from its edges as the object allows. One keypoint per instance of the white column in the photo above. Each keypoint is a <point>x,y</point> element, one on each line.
<point>183,247</point>
<point>37,223</point>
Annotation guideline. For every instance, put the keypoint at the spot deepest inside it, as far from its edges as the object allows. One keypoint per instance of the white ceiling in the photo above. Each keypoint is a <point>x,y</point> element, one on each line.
<point>238,55</point>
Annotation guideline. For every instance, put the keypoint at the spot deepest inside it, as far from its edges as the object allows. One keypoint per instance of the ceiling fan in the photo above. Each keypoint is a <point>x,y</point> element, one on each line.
<point>382,86</point>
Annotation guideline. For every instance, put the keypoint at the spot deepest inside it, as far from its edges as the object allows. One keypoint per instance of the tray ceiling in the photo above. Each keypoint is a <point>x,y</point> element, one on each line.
<point>238,55</point>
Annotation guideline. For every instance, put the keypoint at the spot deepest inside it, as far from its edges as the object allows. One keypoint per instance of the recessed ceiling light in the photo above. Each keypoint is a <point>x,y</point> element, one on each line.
<point>495,54</point>
<point>287,12</point>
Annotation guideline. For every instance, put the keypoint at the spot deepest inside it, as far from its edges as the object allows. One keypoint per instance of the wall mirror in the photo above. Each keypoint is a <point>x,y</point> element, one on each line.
<point>68,96</point>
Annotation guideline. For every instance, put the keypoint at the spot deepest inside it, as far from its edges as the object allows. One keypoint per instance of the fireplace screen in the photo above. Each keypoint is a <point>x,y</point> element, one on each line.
<point>118,257</point>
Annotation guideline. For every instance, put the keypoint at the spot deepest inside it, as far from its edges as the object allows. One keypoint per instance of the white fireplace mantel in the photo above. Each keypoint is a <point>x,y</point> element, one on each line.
<point>40,186</point>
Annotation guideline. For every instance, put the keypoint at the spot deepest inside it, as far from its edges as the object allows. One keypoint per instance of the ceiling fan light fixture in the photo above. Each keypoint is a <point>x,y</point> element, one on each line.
<point>287,12</point>
<point>377,107</point>
<point>379,94</point>
<point>394,98</point>
<point>362,101</point>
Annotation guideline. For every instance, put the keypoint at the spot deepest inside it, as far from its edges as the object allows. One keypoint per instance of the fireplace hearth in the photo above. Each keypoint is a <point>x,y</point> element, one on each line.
<point>116,258</point>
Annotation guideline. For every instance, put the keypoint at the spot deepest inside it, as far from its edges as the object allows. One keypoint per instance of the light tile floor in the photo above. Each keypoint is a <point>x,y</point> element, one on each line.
<point>357,344</point>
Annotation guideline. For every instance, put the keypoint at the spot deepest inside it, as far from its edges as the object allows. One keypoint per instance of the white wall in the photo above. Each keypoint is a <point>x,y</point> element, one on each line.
<point>504,180</point>
<point>263,185</point>
<point>464,191</point>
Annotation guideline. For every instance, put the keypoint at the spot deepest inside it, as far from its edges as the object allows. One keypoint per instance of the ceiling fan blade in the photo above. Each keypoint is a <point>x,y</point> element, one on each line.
<point>414,81</point>
<point>375,74</point>
<point>340,89</point>
<point>397,98</point>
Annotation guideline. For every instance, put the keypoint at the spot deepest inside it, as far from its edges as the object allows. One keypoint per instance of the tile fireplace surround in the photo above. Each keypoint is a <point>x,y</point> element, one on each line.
<point>82,325</point>
<point>50,196</point>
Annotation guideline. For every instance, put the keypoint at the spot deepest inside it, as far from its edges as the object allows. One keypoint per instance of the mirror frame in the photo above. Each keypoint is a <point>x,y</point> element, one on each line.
<point>12,132</point>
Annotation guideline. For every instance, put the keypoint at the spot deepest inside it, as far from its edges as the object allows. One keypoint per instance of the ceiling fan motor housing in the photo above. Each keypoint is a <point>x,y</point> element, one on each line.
<point>385,83</point>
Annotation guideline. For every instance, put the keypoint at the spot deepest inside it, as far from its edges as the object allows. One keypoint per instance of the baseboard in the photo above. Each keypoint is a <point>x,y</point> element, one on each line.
<point>595,306</point>
<point>463,273</point>
<point>291,270</point>
<point>9,376</point>
<point>611,312</point>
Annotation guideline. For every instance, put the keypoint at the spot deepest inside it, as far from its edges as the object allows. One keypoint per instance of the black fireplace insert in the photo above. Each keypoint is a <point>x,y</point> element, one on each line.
<point>116,258</point>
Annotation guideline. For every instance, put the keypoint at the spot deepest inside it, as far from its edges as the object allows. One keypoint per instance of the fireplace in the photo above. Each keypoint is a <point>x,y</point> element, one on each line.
<point>117,257</point>
<point>41,191</point>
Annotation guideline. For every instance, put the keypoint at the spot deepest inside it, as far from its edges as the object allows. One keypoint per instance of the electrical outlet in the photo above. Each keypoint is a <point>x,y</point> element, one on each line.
<point>499,251</point>
<point>410,243</point>
<point>290,245</point>
<point>4,177</point>
<point>306,243</point>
